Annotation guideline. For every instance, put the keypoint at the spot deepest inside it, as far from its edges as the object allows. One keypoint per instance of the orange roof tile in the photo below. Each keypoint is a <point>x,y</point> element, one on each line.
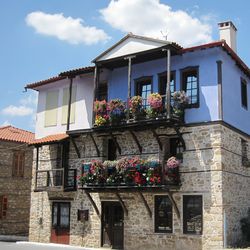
<point>49,139</point>
<point>10,133</point>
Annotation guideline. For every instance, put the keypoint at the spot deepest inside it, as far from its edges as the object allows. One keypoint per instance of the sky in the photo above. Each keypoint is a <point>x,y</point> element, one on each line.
<point>41,38</point>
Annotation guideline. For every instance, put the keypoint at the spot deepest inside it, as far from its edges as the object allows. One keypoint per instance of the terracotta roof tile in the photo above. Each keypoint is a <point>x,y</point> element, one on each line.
<point>10,133</point>
<point>49,139</point>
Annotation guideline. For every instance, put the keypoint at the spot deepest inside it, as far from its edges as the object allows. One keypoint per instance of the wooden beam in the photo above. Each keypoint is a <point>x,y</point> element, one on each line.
<point>115,142</point>
<point>136,140</point>
<point>174,204</point>
<point>177,130</point>
<point>93,203</point>
<point>96,147</point>
<point>75,147</point>
<point>146,204</point>
<point>157,138</point>
<point>122,203</point>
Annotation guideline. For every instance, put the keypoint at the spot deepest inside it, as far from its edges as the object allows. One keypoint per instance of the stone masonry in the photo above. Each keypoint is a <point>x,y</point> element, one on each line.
<point>16,189</point>
<point>211,167</point>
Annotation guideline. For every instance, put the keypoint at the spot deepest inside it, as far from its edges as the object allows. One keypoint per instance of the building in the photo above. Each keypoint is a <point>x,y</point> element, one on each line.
<point>125,197</point>
<point>15,185</point>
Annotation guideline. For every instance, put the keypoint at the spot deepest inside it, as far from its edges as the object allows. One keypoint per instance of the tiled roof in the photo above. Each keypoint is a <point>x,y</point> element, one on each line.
<point>61,76</point>
<point>226,47</point>
<point>49,139</point>
<point>10,133</point>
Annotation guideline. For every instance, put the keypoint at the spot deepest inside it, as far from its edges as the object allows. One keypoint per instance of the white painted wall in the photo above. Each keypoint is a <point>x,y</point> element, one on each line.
<point>130,46</point>
<point>83,111</point>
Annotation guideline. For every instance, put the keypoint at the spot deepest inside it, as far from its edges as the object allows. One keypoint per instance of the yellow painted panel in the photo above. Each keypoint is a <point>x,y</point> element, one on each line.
<point>51,108</point>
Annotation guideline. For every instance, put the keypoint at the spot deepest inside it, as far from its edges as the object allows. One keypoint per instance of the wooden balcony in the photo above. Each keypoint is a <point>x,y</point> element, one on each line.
<point>55,180</point>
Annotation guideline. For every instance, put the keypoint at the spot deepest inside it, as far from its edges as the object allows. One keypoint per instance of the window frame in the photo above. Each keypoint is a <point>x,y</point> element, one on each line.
<point>244,99</point>
<point>3,206</point>
<point>156,218</point>
<point>58,215</point>
<point>183,84</point>
<point>184,214</point>
<point>172,78</point>
<point>139,82</point>
<point>16,172</point>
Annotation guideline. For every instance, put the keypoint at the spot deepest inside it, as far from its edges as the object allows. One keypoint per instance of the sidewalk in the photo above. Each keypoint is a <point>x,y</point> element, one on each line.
<point>12,238</point>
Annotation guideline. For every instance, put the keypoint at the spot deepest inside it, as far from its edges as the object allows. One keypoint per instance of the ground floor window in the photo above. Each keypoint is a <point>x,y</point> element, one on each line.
<point>163,214</point>
<point>192,214</point>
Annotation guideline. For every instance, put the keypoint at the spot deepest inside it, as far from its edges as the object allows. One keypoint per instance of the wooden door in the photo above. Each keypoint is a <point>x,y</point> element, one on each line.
<point>112,225</point>
<point>60,222</point>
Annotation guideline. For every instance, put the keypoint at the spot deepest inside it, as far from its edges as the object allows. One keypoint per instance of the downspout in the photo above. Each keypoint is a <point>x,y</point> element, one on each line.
<point>69,103</point>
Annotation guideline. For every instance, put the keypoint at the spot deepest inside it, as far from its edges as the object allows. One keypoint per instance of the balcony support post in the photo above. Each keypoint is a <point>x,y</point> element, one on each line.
<point>122,203</point>
<point>136,140</point>
<point>75,147</point>
<point>92,202</point>
<point>95,144</point>
<point>168,93</point>
<point>170,195</point>
<point>115,142</point>
<point>129,58</point>
<point>177,130</point>
<point>146,204</point>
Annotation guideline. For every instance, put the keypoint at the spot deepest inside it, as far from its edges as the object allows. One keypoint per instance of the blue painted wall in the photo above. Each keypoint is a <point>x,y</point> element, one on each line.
<point>234,114</point>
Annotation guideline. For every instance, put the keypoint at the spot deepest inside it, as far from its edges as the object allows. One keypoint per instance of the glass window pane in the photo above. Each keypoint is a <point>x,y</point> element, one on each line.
<point>54,219</point>
<point>64,215</point>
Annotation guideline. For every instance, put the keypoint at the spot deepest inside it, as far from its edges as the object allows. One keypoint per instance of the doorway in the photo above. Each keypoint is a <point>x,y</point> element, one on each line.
<point>60,222</point>
<point>112,225</point>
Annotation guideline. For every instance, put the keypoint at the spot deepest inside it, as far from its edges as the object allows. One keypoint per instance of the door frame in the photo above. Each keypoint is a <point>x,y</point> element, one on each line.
<point>103,202</point>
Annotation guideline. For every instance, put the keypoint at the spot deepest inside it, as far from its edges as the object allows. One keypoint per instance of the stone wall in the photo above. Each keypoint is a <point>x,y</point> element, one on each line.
<point>17,190</point>
<point>202,172</point>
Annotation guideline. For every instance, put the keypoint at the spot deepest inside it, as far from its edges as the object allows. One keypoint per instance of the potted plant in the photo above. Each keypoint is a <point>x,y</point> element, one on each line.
<point>100,107</point>
<point>172,170</point>
<point>155,102</point>
<point>136,107</point>
<point>101,120</point>
<point>116,109</point>
<point>180,101</point>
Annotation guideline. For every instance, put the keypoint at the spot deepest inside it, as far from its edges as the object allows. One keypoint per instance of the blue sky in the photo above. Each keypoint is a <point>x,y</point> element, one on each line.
<point>42,38</point>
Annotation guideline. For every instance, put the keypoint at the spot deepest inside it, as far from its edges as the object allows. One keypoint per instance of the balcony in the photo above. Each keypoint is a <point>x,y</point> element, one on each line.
<point>138,110</point>
<point>55,180</point>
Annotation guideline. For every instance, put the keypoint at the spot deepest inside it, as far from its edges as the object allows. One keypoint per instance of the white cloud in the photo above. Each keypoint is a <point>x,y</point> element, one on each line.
<point>17,111</point>
<point>5,123</point>
<point>150,17</point>
<point>30,99</point>
<point>68,29</point>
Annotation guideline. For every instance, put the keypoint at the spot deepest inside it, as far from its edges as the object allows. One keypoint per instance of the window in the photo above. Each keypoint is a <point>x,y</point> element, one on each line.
<point>66,103</point>
<point>3,206</point>
<point>163,84</point>
<point>244,93</point>
<point>163,214</point>
<point>18,163</point>
<point>244,158</point>
<point>192,214</point>
<point>102,91</point>
<point>176,148</point>
<point>144,89</point>
<point>190,84</point>
<point>51,108</point>
<point>111,150</point>
<point>61,215</point>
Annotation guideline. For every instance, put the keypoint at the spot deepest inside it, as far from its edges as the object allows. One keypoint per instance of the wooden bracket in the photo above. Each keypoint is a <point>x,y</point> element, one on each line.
<point>157,138</point>
<point>146,204</point>
<point>122,203</point>
<point>93,203</point>
<point>96,147</point>
<point>174,204</point>
<point>136,140</point>
<point>115,142</point>
<point>75,147</point>
<point>177,130</point>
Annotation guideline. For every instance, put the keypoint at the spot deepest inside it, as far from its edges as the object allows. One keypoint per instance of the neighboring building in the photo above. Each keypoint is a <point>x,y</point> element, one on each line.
<point>15,180</point>
<point>115,208</point>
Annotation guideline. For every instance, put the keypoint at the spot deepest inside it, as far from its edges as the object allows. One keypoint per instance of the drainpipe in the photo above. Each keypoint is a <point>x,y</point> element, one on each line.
<point>69,103</point>
<point>168,94</point>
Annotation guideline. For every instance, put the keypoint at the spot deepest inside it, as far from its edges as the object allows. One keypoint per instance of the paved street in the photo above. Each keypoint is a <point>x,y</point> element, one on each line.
<point>28,246</point>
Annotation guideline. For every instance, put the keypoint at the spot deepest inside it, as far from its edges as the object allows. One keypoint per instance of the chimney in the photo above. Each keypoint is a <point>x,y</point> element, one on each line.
<point>228,33</point>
